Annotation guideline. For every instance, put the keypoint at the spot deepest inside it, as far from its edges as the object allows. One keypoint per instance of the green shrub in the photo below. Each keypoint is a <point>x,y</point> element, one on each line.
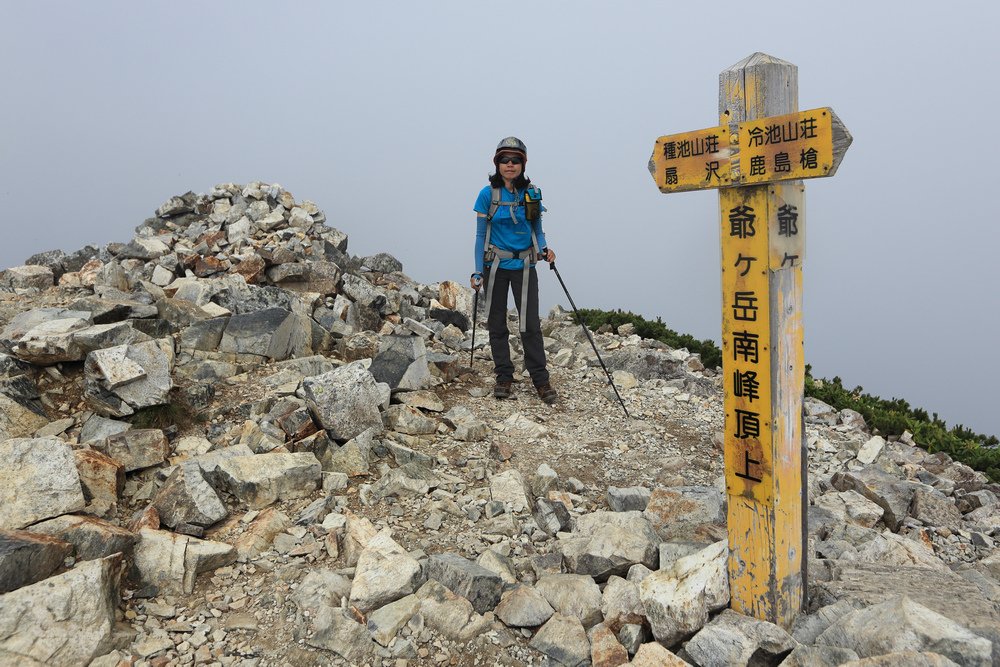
<point>887,417</point>
<point>892,417</point>
<point>710,354</point>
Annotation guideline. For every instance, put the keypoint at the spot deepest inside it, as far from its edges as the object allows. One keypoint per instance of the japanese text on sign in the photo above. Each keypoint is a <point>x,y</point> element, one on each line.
<point>746,355</point>
<point>793,146</point>
<point>692,160</point>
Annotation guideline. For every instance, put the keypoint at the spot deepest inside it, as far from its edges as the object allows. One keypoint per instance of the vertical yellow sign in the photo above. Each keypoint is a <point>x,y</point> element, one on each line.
<point>746,354</point>
<point>763,232</point>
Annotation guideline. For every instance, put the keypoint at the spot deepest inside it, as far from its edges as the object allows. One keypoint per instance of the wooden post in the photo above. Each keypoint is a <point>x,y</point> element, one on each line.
<point>762,238</point>
<point>758,155</point>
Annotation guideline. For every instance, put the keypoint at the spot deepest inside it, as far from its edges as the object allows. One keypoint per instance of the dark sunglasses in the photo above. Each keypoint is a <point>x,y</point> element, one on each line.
<point>509,159</point>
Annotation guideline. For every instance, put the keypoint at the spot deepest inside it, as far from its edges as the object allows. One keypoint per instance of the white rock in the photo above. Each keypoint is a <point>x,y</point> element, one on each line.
<point>679,598</point>
<point>65,620</point>
<point>871,449</point>
<point>508,487</point>
<point>385,573</point>
<point>38,480</point>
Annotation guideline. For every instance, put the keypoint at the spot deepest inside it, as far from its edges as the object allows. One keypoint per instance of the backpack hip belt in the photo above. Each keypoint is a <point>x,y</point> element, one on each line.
<point>527,257</point>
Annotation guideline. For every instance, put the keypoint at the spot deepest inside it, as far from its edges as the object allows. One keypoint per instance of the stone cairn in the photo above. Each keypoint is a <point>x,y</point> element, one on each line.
<point>229,442</point>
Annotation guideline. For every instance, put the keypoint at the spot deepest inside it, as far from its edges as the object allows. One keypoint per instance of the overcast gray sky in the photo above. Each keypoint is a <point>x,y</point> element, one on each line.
<point>386,115</point>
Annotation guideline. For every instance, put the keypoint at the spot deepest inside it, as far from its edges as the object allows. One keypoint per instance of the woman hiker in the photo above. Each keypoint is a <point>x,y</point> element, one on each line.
<point>509,240</point>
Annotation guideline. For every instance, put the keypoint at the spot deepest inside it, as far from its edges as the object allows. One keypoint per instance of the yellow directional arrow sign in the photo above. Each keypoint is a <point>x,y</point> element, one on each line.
<point>806,144</point>
<point>790,147</point>
<point>692,160</point>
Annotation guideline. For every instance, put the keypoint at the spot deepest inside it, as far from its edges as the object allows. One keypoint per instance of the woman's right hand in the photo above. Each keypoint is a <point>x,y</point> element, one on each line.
<point>475,281</point>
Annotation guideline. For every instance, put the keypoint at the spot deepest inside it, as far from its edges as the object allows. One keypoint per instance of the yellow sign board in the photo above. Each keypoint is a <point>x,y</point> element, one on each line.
<point>692,160</point>
<point>789,147</point>
<point>746,340</point>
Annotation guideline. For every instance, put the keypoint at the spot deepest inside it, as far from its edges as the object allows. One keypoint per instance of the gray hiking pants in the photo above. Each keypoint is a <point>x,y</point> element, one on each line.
<point>508,280</point>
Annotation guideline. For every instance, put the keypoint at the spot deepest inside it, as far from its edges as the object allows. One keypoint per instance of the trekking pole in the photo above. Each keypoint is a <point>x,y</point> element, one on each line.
<point>579,318</point>
<point>475,312</point>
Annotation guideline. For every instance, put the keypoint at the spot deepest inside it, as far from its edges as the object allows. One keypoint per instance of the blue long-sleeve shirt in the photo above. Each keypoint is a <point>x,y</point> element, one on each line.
<point>506,234</point>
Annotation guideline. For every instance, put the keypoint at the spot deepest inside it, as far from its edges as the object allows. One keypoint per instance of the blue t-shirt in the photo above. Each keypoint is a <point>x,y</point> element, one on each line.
<point>506,234</point>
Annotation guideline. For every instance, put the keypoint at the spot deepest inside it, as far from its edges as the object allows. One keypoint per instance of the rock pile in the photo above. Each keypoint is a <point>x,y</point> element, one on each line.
<point>229,442</point>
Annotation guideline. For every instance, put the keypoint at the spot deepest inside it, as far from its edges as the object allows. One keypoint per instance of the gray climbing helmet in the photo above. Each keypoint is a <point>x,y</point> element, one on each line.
<point>511,145</point>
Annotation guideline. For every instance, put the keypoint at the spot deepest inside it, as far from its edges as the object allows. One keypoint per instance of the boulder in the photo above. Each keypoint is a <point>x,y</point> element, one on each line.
<point>271,333</point>
<point>468,427</point>
<point>449,614</point>
<point>25,321</point>
<point>654,655</point>
<point>318,598</point>
<point>404,419</point>
<point>261,479</point>
<point>345,401</point>
<point>122,379</point>
<point>63,621</point>
<point>807,627</point>
<point>686,511</point>
<point>32,277</point>
<point>620,603</point>
<point>91,538</point>
<point>26,558</point>
<point>49,342</point>
<point>382,262</point>
<point>564,639</point>
<point>187,498</point>
<point>574,595</point>
<point>678,599</point>
<point>867,585</point>
<point>411,478</point>
<point>99,428</point>
<point>334,629</point>
<point>261,533</point>
<point>38,480</point>
<point>870,451</point>
<point>605,649</point>
<point>609,543</point>
<point>820,656</point>
<point>893,495</point>
<point>628,499</point>
<point>19,418</point>
<point>350,459</point>
<point>385,623</point>
<point>733,639</point>
<point>933,508</point>
<point>384,573</point>
<point>136,449</point>
<point>900,624</point>
<point>102,479</point>
<point>851,506</point>
<point>170,563</point>
<point>476,584</point>
<point>645,363</point>
<point>402,363</point>
<point>523,607</point>
<point>508,487</point>
<point>908,658</point>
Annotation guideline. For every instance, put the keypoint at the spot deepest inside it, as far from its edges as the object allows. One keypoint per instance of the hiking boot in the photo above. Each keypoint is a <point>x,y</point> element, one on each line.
<point>502,389</point>
<point>547,393</point>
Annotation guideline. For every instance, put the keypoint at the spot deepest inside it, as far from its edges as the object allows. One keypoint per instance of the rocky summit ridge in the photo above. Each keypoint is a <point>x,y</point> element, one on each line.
<point>230,442</point>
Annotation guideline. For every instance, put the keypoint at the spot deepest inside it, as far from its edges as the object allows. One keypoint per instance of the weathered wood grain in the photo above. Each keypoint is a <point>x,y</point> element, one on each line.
<point>765,528</point>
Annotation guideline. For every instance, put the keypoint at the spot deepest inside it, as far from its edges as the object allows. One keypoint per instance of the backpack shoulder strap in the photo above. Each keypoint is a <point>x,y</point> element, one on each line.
<point>494,204</point>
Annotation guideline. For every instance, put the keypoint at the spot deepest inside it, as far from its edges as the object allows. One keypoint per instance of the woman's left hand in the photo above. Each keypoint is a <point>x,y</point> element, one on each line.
<point>549,256</point>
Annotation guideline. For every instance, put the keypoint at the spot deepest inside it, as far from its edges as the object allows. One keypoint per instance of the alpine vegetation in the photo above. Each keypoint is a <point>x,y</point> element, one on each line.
<point>231,442</point>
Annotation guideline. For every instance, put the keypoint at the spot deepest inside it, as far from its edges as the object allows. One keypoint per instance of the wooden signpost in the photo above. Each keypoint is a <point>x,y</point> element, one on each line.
<point>757,156</point>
